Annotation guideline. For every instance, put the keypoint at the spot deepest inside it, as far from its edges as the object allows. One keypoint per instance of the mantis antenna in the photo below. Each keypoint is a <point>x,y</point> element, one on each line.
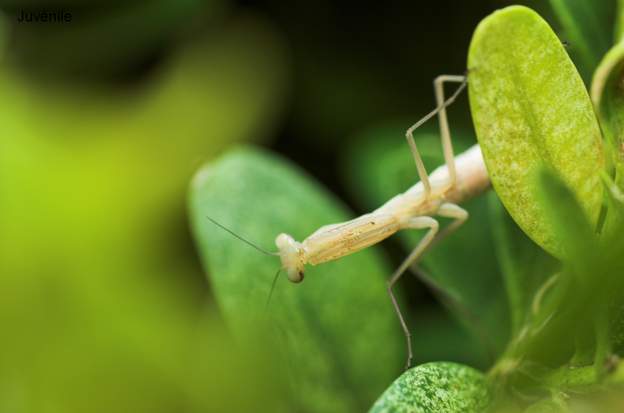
<point>246,241</point>
<point>257,247</point>
<point>266,306</point>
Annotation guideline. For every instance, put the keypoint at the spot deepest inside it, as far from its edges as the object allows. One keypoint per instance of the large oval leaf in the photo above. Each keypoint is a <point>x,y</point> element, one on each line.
<point>436,387</point>
<point>337,330</point>
<point>530,108</point>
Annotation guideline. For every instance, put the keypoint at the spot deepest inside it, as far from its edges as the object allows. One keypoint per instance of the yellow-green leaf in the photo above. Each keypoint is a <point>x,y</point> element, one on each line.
<point>530,108</point>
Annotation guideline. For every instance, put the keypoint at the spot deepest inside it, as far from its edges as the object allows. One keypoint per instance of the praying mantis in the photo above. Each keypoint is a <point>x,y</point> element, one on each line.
<point>438,194</point>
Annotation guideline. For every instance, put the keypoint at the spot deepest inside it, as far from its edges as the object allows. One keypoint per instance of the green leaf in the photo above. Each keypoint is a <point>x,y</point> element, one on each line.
<point>548,406</point>
<point>436,387</point>
<point>579,297</point>
<point>337,330</point>
<point>579,321</point>
<point>619,21</point>
<point>606,93</point>
<point>380,167</point>
<point>530,108</point>
<point>524,265</point>
<point>588,29</point>
<point>566,215</point>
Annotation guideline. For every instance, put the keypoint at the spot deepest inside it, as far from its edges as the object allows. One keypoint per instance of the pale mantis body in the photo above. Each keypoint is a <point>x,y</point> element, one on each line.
<point>459,179</point>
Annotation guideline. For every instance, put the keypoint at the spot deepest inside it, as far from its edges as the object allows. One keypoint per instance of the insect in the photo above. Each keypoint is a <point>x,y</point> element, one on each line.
<point>438,194</point>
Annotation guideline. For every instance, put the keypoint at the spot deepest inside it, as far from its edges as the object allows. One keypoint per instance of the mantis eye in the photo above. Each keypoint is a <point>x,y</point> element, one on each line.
<point>295,275</point>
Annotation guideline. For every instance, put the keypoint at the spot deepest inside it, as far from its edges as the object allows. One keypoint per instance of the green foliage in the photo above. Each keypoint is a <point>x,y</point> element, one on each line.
<point>567,217</point>
<point>519,70</point>
<point>337,331</point>
<point>608,99</point>
<point>547,406</point>
<point>619,21</point>
<point>436,387</point>
<point>585,27</point>
<point>104,306</point>
<point>542,146</point>
<point>569,336</point>
<point>525,267</point>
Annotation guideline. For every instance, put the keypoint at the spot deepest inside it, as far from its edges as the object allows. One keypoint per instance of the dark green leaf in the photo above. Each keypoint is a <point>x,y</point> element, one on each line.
<point>524,265</point>
<point>579,297</point>
<point>619,21</point>
<point>337,330</point>
<point>436,387</point>
<point>608,99</point>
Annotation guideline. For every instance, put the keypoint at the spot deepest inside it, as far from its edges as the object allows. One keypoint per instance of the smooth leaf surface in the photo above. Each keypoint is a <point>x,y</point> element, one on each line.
<point>337,330</point>
<point>588,28</point>
<point>547,406</point>
<point>530,108</point>
<point>436,387</point>
<point>436,335</point>
<point>461,266</point>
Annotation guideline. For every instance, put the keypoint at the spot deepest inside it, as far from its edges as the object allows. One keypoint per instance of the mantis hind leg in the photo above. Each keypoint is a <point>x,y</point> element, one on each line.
<point>414,223</point>
<point>432,236</point>
<point>449,210</point>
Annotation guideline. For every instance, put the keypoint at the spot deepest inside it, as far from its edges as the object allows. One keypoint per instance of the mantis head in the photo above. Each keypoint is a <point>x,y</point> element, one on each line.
<point>291,254</point>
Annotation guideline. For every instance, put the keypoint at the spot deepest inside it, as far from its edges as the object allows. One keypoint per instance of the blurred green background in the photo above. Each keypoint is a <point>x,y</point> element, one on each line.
<point>104,119</point>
